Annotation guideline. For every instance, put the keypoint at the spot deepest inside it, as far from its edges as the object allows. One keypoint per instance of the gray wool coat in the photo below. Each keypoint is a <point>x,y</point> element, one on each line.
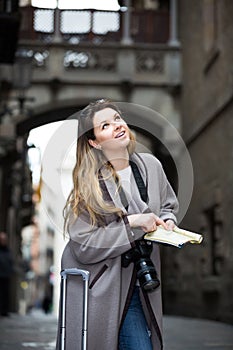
<point>99,249</point>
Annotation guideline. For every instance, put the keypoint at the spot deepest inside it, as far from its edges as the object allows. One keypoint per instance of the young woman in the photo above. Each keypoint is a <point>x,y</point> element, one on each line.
<point>117,197</point>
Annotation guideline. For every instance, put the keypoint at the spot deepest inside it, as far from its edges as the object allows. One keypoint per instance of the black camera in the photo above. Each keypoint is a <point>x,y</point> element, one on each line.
<point>140,256</point>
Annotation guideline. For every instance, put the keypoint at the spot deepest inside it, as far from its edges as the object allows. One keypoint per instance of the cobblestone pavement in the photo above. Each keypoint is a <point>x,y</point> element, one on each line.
<point>38,331</point>
<point>32,331</point>
<point>182,333</point>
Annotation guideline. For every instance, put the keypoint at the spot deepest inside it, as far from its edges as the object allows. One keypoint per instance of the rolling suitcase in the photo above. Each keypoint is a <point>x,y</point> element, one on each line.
<point>64,275</point>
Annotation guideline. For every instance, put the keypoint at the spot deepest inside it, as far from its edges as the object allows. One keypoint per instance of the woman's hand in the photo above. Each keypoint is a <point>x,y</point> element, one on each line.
<point>147,221</point>
<point>170,225</point>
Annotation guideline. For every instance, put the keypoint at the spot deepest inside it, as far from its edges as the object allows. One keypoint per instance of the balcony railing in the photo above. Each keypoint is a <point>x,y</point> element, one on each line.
<point>103,64</point>
<point>77,26</point>
<point>151,60</point>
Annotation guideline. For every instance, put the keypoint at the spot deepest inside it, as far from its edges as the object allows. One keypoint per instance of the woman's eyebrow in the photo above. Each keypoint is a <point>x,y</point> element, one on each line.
<point>103,121</point>
<point>106,121</point>
<point>97,125</point>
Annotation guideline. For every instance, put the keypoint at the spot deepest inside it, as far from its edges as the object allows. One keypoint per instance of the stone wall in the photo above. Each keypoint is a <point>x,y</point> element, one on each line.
<point>198,279</point>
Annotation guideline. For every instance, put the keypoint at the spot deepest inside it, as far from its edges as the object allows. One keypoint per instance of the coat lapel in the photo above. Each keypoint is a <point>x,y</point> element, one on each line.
<point>109,189</point>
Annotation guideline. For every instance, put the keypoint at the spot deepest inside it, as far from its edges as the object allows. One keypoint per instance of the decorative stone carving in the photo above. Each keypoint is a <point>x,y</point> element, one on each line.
<point>105,61</point>
<point>150,61</point>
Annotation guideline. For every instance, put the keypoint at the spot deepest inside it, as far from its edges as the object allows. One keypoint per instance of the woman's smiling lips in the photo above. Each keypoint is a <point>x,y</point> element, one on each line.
<point>120,134</point>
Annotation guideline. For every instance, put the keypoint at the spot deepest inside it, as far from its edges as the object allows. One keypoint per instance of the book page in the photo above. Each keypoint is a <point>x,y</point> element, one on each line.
<point>177,237</point>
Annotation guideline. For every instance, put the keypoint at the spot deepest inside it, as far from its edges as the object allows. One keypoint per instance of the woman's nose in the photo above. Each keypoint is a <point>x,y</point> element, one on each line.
<point>116,125</point>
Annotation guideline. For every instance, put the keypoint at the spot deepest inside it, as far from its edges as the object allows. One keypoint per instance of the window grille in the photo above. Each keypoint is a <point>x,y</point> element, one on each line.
<point>75,22</point>
<point>104,22</point>
<point>44,21</point>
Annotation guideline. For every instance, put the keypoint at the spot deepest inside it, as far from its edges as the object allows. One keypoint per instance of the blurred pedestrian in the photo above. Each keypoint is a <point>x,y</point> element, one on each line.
<point>47,304</point>
<point>6,271</point>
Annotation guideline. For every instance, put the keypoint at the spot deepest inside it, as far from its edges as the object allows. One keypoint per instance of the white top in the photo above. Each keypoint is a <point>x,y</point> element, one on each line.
<point>125,179</point>
<point>131,190</point>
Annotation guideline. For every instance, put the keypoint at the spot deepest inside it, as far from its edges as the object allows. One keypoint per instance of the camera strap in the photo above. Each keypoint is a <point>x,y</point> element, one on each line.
<point>139,181</point>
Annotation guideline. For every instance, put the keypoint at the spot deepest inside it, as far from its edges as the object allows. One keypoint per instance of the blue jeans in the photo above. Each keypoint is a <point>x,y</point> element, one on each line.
<point>134,333</point>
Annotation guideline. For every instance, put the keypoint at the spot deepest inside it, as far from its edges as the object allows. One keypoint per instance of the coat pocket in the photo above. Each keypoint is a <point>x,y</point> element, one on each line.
<point>97,276</point>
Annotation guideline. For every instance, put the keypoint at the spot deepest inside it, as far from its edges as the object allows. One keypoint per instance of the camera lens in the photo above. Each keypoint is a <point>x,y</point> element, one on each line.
<point>147,275</point>
<point>146,272</point>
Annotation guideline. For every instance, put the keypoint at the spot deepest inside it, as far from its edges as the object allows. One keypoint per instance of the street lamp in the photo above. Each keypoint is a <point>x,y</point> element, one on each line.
<point>22,72</point>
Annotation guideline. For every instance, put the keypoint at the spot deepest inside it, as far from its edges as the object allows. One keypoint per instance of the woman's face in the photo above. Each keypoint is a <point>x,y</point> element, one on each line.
<point>111,131</point>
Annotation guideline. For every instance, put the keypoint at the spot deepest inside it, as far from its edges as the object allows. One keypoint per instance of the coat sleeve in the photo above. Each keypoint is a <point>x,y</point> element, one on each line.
<point>168,201</point>
<point>160,188</point>
<point>92,244</point>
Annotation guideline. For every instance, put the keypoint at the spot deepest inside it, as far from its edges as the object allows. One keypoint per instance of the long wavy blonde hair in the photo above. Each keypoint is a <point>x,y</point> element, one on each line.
<point>86,193</point>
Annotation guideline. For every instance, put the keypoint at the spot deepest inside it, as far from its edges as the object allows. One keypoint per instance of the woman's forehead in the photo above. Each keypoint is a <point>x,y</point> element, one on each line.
<point>104,114</point>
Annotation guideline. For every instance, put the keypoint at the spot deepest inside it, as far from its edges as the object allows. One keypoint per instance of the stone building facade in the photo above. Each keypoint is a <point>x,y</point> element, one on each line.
<point>199,280</point>
<point>55,70</point>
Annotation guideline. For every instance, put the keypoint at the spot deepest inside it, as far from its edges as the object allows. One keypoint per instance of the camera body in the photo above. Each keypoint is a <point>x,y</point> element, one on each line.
<point>140,256</point>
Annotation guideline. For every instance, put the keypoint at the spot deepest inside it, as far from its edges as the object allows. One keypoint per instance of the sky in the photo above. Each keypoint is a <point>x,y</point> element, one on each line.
<point>40,138</point>
<point>53,154</point>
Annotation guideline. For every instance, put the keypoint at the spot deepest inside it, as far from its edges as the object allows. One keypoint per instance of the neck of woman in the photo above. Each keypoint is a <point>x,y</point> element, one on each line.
<point>119,160</point>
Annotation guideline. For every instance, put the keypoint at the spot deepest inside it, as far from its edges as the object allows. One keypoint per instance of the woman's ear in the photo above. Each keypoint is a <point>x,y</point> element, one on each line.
<point>94,144</point>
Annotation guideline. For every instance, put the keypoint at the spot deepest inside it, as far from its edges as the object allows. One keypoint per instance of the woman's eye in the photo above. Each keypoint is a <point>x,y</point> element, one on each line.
<point>117,118</point>
<point>105,125</point>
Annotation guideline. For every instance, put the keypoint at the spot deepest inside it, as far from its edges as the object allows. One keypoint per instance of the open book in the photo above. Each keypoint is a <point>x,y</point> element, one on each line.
<point>177,237</point>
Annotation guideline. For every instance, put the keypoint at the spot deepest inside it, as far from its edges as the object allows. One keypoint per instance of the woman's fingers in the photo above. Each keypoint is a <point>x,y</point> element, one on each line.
<point>170,225</point>
<point>153,222</point>
<point>161,222</point>
<point>149,222</point>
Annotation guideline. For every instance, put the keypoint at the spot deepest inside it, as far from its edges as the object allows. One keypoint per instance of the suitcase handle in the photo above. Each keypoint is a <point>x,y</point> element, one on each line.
<point>74,271</point>
<point>85,275</point>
